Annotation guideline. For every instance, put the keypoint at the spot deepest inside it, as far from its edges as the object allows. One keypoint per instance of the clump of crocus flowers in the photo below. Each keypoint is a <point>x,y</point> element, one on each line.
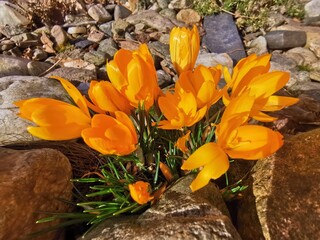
<point>130,117</point>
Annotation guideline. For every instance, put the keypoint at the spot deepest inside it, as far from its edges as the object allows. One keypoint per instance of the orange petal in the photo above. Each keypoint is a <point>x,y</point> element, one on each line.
<point>139,192</point>
<point>166,171</point>
<point>254,142</point>
<point>181,142</point>
<point>276,103</point>
<point>74,94</point>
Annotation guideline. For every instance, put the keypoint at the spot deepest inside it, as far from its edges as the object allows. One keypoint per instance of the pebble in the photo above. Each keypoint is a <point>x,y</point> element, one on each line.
<point>99,13</point>
<point>258,46</point>
<point>312,12</point>
<point>106,28</point>
<point>77,30</point>
<point>36,68</point>
<point>59,35</point>
<point>39,54</point>
<point>109,47</point>
<point>96,35</point>
<point>188,16</point>
<point>121,12</point>
<point>97,58</point>
<point>282,39</point>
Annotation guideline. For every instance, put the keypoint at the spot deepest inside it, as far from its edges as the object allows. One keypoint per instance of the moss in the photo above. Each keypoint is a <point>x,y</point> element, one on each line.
<point>249,13</point>
<point>306,68</point>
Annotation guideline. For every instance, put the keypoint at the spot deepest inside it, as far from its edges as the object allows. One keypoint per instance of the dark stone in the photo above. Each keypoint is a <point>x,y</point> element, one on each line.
<point>282,201</point>
<point>283,39</point>
<point>121,12</point>
<point>222,36</point>
<point>83,44</point>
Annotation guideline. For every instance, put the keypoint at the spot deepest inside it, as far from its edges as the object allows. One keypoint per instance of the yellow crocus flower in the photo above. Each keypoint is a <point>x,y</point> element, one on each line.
<point>180,109</point>
<point>184,48</point>
<point>56,120</point>
<point>106,97</point>
<point>251,74</point>
<point>234,138</point>
<point>140,192</point>
<point>133,74</point>
<point>111,135</point>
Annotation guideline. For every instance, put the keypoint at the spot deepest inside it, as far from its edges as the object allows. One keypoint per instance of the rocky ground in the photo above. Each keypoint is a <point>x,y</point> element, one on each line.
<point>74,40</point>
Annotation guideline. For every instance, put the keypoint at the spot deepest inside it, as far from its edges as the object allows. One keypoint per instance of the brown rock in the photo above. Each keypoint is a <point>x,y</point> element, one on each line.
<point>188,16</point>
<point>31,181</point>
<point>283,200</point>
<point>179,214</point>
<point>59,35</point>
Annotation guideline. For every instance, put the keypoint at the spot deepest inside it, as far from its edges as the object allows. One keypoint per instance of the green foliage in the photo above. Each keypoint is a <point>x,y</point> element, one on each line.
<point>250,13</point>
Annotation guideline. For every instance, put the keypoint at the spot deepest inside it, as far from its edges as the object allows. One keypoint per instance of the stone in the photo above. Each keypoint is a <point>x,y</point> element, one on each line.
<point>315,75</point>
<point>222,36</point>
<point>109,47</point>
<point>163,4</point>
<point>179,214</point>
<point>121,12</point>
<point>315,47</point>
<point>32,181</point>
<point>78,63</point>
<point>180,4</point>
<point>213,59</point>
<point>282,200</point>
<point>39,54</point>
<point>188,16</point>
<point>159,51</point>
<point>10,66</point>
<point>75,75</point>
<point>6,45</point>
<point>59,35</point>
<point>36,68</point>
<point>95,35</point>
<point>12,15</point>
<point>120,27</point>
<point>97,58</point>
<point>312,12</point>
<point>164,79</point>
<point>275,19</point>
<point>77,30</point>
<point>23,38</point>
<point>106,28</point>
<point>283,40</point>
<point>164,38</point>
<point>14,88</point>
<point>99,13</point>
<point>168,13</point>
<point>258,46</point>
<point>151,19</point>
<point>306,56</point>
<point>83,44</point>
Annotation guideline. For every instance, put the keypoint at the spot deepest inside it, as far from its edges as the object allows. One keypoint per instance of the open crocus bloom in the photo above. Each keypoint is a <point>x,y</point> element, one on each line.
<point>107,98</point>
<point>56,120</point>
<point>133,74</point>
<point>184,48</point>
<point>180,109</point>
<point>235,139</point>
<point>251,74</point>
<point>140,192</point>
<point>202,83</point>
<point>109,135</point>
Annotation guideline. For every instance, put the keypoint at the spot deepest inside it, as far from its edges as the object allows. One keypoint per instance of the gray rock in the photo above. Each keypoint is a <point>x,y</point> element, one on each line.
<point>59,35</point>
<point>44,177</point>
<point>75,75</point>
<point>222,36</point>
<point>83,44</point>
<point>97,58</point>
<point>39,54</point>
<point>121,12</point>
<point>159,51</point>
<point>179,214</point>
<point>13,88</point>
<point>106,28</point>
<point>96,35</point>
<point>213,59</point>
<point>258,46</point>
<point>12,15</point>
<point>99,13</point>
<point>151,19</point>
<point>282,201</point>
<point>163,4</point>
<point>180,4</point>
<point>312,12</point>
<point>10,66</point>
<point>36,68</point>
<point>109,47</point>
<point>164,79</point>
<point>168,13</point>
<point>120,27</point>
<point>282,40</point>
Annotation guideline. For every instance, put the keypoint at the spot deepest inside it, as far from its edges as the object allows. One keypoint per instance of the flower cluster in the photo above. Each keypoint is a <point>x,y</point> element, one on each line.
<point>130,116</point>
